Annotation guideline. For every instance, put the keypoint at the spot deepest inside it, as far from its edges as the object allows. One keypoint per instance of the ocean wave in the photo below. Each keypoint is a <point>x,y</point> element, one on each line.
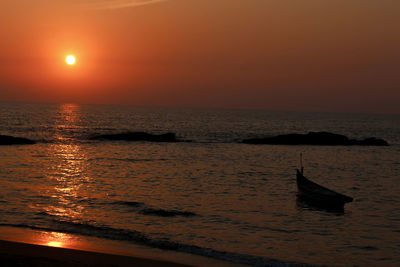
<point>88,229</point>
<point>166,213</point>
<point>127,203</point>
<point>130,206</point>
<point>146,210</point>
<point>44,213</point>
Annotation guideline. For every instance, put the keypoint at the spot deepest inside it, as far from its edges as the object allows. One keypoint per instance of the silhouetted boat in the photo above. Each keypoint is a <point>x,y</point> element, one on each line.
<point>318,195</point>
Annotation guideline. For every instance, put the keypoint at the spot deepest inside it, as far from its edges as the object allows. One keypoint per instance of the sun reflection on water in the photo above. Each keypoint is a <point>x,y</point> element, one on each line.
<point>68,173</point>
<point>55,239</point>
<point>67,122</point>
<point>55,244</point>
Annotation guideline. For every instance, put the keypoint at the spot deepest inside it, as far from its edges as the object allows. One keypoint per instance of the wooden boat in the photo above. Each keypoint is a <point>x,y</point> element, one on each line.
<point>318,195</point>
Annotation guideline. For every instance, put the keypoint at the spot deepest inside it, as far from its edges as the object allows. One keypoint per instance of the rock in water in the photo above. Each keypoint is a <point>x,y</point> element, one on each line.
<point>316,138</point>
<point>11,140</point>
<point>372,141</point>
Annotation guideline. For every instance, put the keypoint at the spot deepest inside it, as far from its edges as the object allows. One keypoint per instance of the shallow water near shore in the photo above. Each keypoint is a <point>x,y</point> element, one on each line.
<point>107,246</point>
<point>213,196</point>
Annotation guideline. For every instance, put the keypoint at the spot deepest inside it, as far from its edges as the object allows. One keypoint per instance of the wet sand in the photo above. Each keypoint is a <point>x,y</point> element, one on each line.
<point>22,254</point>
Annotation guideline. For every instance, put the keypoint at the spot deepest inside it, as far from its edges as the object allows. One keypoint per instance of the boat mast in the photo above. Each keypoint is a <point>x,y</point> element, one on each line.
<point>301,163</point>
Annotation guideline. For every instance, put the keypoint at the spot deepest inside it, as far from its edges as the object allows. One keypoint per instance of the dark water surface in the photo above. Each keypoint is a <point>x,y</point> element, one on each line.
<point>212,196</point>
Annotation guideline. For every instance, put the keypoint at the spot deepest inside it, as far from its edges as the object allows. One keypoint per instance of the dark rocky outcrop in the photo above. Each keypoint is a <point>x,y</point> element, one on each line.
<point>316,138</point>
<point>372,141</point>
<point>11,140</point>
<point>137,136</point>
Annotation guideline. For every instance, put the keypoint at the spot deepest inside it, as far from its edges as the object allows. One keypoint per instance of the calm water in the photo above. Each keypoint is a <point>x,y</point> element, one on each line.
<point>225,200</point>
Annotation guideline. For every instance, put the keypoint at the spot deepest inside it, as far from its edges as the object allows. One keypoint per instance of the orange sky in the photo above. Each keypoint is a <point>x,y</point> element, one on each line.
<point>272,54</point>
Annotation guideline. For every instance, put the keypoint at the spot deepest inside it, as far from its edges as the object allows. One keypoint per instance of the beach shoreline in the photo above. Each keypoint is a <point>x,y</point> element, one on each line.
<point>24,254</point>
<point>20,246</point>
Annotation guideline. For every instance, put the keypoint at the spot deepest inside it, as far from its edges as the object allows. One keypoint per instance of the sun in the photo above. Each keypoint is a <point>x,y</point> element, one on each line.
<point>70,60</point>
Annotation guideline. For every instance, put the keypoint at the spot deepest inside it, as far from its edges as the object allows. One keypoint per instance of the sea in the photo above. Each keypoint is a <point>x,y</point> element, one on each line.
<point>209,195</point>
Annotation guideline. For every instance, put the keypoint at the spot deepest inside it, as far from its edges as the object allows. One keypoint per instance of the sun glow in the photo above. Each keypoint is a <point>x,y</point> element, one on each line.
<point>55,244</point>
<point>70,60</point>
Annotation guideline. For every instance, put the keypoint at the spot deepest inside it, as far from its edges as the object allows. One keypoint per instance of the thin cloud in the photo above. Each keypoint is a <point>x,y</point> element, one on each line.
<point>117,4</point>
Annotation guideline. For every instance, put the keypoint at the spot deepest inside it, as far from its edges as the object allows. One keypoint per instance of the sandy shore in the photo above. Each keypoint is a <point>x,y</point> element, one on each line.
<point>21,254</point>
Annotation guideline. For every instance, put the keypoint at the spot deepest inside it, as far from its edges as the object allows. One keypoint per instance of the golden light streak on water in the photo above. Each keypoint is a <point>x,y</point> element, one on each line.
<point>69,174</point>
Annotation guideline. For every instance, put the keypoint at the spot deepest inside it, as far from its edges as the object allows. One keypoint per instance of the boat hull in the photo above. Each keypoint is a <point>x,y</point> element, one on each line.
<point>318,195</point>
